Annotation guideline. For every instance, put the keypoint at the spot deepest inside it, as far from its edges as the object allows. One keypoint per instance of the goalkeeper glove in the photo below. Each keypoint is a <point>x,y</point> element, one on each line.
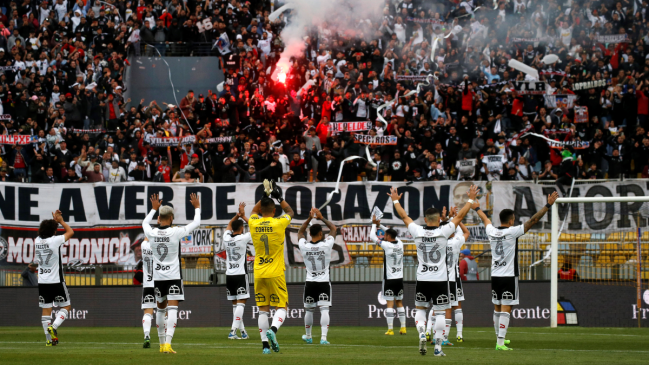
<point>277,192</point>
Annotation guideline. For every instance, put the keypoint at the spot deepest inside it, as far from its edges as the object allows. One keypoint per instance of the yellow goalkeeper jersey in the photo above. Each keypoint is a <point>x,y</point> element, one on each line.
<point>268,238</point>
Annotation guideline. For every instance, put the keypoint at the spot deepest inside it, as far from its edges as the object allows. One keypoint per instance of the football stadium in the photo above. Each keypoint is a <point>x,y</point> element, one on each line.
<point>341,181</point>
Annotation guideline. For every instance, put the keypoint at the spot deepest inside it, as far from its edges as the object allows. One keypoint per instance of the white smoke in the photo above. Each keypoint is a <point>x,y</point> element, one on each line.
<point>341,16</point>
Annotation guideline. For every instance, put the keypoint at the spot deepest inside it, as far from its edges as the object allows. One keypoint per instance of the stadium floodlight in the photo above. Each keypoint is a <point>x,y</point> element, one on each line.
<point>555,225</point>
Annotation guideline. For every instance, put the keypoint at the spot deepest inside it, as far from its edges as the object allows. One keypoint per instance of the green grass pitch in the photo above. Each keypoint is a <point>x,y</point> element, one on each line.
<point>349,345</point>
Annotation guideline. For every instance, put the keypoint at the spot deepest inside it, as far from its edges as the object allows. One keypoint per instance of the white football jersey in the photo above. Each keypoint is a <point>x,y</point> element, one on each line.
<point>235,248</point>
<point>431,250</point>
<point>504,249</point>
<point>393,256</point>
<point>165,244</point>
<point>48,254</point>
<point>453,254</point>
<point>317,258</point>
<point>147,264</point>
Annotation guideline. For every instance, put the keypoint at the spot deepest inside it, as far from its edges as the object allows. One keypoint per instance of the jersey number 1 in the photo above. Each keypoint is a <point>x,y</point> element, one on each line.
<point>264,239</point>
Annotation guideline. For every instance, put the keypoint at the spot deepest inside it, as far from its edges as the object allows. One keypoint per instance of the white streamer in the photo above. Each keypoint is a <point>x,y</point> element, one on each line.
<point>412,92</point>
<point>340,174</point>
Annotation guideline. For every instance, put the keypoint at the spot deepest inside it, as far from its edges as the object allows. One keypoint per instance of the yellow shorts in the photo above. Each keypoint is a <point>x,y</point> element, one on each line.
<point>271,291</point>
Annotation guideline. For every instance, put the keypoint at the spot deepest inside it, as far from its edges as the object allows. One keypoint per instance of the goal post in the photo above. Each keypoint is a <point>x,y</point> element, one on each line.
<point>555,236</point>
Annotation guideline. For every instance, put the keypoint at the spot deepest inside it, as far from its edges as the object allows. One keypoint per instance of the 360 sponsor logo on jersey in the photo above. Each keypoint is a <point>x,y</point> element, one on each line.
<point>265,261</point>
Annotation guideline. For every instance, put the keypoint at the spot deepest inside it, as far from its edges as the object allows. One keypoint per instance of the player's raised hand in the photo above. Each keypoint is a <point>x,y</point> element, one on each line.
<point>453,212</point>
<point>375,220</point>
<point>473,192</point>
<point>242,209</point>
<point>318,214</point>
<point>155,202</point>
<point>193,198</point>
<point>553,197</point>
<point>476,204</point>
<point>443,216</point>
<point>394,194</point>
<point>57,216</point>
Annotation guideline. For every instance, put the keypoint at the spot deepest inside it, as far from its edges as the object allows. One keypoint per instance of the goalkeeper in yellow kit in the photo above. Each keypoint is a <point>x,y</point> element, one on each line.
<point>270,285</point>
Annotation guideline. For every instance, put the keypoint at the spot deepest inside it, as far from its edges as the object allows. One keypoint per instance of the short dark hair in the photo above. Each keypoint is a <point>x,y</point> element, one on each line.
<point>506,215</point>
<point>315,230</point>
<point>391,233</point>
<point>47,228</point>
<point>236,225</point>
<point>267,205</point>
<point>431,212</point>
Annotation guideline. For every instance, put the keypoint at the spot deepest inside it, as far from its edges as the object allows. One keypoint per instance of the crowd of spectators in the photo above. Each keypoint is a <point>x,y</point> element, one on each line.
<point>63,68</point>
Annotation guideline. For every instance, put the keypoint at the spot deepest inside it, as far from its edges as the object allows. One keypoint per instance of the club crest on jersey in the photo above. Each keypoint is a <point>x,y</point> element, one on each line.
<point>494,295</point>
<point>241,291</point>
<point>400,293</point>
<point>309,300</point>
<point>274,298</point>
<point>174,289</point>
<point>420,297</point>
<point>227,292</point>
<point>452,296</point>
<point>508,295</point>
<point>460,293</point>
<point>41,300</point>
<point>323,297</point>
<point>148,299</point>
<point>260,298</point>
<point>157,292</point>
<point>442,299</point>
<point>389,293</point>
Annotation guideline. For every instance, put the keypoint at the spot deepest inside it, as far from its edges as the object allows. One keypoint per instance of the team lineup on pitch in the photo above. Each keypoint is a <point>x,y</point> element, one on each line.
<point>438,292</point>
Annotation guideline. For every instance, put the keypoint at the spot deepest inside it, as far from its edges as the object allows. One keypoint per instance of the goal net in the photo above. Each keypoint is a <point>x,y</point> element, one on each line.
<point>599,241</point>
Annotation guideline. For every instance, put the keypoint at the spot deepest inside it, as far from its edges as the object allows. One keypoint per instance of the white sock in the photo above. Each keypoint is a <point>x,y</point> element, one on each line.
<point>324,322</point>
<point>459,321</point>
<point>308,321</point>
<point>278,319</point>
<point>496,321</point>
<point>172,319</point>
<point>389,316</point>
<point>61,315</point>
<point>431,321</point>
<point>447,328</point>
<point>438,329</point>
<point>502,331</point>
<point>160,324</point>
<point>402,316</point>
<point>263,325</point>
<point>238,315</point>
<point>146,324</point>
<point>420,320</point>
<point>242,328</point>
<point>46,321</point>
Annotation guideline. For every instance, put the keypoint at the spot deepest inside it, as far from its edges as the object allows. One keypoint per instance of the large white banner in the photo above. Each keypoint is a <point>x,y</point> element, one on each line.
<point>104,204</point>
<point>527,198</point>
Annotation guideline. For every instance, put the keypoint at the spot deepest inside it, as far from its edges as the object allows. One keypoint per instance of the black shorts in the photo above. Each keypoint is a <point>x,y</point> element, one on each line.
<point>435,293</point>
<point>237,287</point>
<point>148,298</point>
<point>169,290</point>
<point>56,293</point>
<point>504,290</point>
<point>392,289</point>
<point>317,294</point>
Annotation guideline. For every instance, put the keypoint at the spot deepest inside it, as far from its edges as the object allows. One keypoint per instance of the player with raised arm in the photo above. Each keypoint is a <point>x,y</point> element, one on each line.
<point>392,285</point>
<point>317,258</point>
<point>504,263</point>
<point>51,282</point>
<point>167,273</point>
<point>236,275</point>
<point>455,243</point>
<point>432,270</point>
<point>268,234</point>
<point>148,292</point>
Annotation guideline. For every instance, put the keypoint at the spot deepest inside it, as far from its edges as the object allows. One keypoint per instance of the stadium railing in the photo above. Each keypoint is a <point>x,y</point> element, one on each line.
<point>182,49</point>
